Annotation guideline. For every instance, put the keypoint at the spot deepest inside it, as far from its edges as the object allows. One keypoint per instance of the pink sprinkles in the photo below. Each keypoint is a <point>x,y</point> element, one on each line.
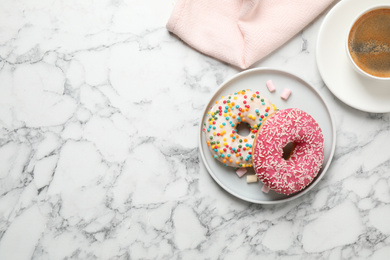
<point>292,175</point>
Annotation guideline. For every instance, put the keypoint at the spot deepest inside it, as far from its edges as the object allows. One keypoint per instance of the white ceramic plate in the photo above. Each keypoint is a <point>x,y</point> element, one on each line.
<point>336,70</point>
<point>303,96</point>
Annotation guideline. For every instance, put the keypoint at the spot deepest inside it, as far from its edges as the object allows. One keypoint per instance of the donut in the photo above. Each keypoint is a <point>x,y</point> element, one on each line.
<point>293,174</point>
<point>220,127</point>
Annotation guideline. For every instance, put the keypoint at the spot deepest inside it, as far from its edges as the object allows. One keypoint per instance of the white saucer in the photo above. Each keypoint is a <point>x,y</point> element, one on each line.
<point>338,74</point>
<point>301,92</point>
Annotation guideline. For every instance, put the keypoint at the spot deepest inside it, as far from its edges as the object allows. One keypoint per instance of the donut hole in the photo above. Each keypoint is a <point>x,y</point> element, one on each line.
<point>243,129</point>
<point>288,150</point>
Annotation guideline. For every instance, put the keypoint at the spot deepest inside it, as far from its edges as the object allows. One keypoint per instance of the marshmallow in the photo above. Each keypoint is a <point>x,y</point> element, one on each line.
<point>270,86</point>
<point>285,94</point>
<point>265,189</point>
<point>251,178</point>
<point>240,172</point>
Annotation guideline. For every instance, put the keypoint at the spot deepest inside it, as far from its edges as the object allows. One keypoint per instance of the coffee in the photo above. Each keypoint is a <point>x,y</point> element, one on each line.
<point>369,42</point>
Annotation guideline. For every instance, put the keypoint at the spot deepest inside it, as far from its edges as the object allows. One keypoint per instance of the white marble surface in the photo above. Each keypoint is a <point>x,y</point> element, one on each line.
<point>100,109</point>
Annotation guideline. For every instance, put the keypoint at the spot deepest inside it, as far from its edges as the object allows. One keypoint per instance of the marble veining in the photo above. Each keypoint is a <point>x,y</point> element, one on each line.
<point>100,111</point>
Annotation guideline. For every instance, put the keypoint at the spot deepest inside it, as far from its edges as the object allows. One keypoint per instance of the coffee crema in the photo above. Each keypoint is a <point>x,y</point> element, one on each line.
<point>369,42</point>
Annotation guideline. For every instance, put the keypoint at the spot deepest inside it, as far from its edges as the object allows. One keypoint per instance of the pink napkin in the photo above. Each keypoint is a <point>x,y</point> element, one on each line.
<point>241,32</point>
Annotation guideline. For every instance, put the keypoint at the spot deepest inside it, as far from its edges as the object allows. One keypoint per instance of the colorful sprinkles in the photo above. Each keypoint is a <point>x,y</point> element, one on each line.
<point>220,129</point>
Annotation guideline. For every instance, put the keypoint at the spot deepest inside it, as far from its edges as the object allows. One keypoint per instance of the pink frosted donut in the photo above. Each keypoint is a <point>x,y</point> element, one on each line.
<point>292,175</point>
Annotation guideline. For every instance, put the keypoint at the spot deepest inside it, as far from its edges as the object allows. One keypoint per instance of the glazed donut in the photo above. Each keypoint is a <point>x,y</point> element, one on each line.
<point>289,175</point>
<point>220,128</point>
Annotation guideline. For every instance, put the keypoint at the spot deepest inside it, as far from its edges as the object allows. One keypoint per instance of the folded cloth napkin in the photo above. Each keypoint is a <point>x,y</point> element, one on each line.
<point>241,32</point>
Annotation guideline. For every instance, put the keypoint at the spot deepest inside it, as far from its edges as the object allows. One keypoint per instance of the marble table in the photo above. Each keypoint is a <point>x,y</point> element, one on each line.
<point>99,115</point>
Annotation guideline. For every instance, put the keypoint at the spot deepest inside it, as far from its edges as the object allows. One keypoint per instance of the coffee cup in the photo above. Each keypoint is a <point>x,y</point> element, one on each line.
<point>368,43</point>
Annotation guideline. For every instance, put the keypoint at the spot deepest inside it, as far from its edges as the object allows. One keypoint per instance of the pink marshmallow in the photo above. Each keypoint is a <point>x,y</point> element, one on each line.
<point>265,189</point>
<point>285,94</point>
<point>270,86</point>
<point>240,172</point>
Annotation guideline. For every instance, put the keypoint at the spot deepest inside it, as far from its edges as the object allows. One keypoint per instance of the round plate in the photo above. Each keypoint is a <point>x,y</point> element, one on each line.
<point>343,81</point>
<point>255,79</point>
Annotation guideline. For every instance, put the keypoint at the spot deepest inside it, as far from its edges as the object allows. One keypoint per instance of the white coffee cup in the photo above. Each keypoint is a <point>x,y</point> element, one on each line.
<point>355,66</point>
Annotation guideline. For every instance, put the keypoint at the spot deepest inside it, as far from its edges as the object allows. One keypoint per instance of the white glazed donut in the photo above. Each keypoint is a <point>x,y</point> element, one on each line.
<point>220,128</point>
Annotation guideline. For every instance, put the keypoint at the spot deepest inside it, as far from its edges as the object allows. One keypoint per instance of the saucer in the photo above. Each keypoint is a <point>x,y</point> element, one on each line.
<point>342,80</point>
